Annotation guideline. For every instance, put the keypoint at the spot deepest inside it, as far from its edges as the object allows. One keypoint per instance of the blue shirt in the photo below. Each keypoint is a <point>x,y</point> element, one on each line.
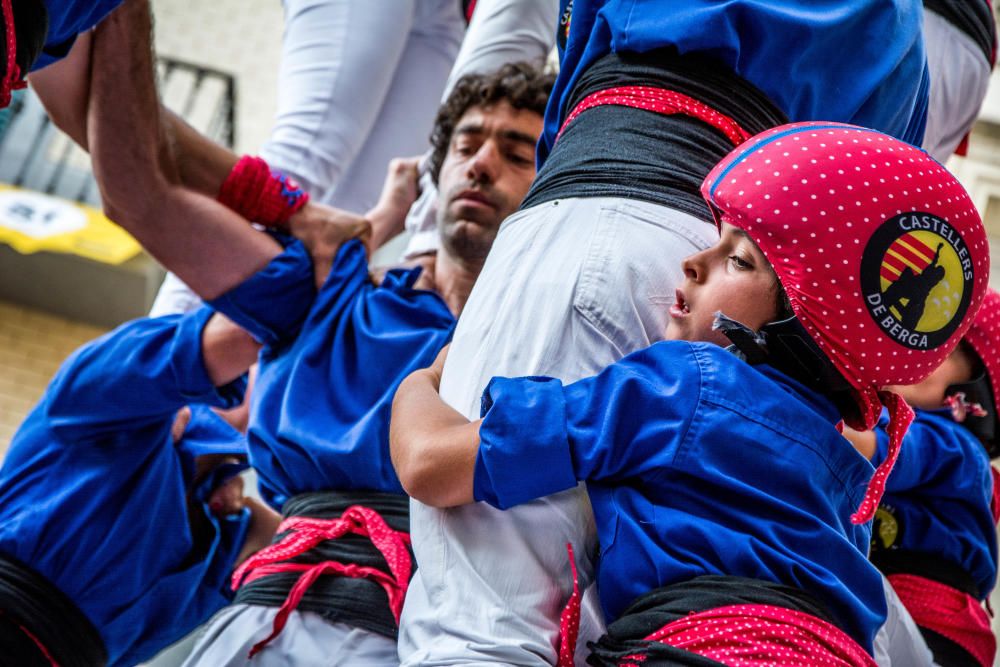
<point>696,463</point>
<point>320,407</point>
<point>93,491</point>
<point>852,61</point>
<point>67,19</point>
<point>940,492</point>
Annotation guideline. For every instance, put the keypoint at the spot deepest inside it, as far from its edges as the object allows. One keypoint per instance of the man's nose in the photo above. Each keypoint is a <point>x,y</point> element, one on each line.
<point>485,163</point>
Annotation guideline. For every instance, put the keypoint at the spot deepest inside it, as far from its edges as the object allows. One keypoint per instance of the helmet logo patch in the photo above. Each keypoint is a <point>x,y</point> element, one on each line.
<point>916,278</point>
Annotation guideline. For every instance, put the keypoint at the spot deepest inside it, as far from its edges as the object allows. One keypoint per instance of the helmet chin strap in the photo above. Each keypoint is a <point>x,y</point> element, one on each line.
<point>971,406</point>
<point>12,79</point>
<point>786,346</point>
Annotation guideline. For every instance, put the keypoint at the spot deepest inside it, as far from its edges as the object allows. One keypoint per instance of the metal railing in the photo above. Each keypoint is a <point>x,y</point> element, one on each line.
<point>34,154</point>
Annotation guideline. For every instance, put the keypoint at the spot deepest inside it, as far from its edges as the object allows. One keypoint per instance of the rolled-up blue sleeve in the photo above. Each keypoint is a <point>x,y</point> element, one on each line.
<point>273,304</point>
<point>539,437</point>
<point>524,451</point>
<point>137,374</point>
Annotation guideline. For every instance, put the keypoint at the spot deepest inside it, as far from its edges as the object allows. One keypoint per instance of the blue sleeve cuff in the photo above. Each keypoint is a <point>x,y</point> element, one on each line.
<point>524,450</point>
<point>273,304</point>
<point>188,365</point>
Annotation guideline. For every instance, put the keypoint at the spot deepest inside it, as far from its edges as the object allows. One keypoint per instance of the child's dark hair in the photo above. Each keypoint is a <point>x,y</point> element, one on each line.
<point>522,85</point>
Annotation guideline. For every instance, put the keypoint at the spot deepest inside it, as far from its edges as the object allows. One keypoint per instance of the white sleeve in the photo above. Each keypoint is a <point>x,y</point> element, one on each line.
<point>174,298</point>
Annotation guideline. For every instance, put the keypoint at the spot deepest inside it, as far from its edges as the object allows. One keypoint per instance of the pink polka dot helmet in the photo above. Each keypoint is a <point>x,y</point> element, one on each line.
<point>974,404</point>
<point>881,253</point>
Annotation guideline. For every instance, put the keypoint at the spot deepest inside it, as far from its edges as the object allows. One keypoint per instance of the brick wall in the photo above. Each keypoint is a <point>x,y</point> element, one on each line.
<point>32,345</point>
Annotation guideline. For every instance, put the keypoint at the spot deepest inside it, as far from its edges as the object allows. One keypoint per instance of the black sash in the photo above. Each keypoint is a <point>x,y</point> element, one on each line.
<point>617,151</point>
<point>30,604</point>
<point>973,17</point>
<point>361,603</point>
<point>664,605</point>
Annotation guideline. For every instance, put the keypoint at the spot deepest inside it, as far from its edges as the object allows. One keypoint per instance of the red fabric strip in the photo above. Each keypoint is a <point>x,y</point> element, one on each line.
<point>755,635</point>
<point>900,416</point>
<point>663,101</point>
<point>304,533</point>
<point>38,643</point>
<point>12,77</point>
<point>569,620</point>
<point>948,612</point>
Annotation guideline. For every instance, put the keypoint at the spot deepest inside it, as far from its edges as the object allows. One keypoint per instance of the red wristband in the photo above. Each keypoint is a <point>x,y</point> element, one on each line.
<point>261,195</point>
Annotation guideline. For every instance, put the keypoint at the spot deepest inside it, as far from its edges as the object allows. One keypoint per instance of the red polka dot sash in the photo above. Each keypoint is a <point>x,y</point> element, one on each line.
<point>754,635</point>
<point>880,250</point>
<point>304,533</point>
<point>569,620</point>
<point>12,79</point>
<point>662,101</point>
<point>949,612</point>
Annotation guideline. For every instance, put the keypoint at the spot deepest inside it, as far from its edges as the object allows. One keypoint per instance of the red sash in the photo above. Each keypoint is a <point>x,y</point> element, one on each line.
<point>949,612</point>
<point>307,533</point>
<point>662,101</point>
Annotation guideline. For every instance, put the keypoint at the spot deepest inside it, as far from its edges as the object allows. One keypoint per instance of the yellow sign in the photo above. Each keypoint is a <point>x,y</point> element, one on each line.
<point>33,222</point>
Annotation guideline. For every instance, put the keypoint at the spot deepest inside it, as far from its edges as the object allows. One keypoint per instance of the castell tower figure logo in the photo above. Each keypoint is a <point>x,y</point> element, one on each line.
<point>916,275</point>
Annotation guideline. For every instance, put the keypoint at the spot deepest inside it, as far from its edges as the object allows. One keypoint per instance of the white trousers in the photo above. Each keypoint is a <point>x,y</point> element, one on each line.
<point>569,287</point>
<point>501,31</point>
<point>959,78</point>
<point>308,640</point>
<point>359,84</point>
<point>899,642</point>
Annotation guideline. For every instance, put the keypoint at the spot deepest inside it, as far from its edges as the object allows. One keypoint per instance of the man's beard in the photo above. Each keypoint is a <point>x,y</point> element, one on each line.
<point>469,238</point>
<point>467,241</point>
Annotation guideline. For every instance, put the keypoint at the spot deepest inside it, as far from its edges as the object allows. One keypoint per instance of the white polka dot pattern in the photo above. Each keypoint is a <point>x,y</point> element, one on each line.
<point>813,196</point>
<point>756,635</point>
<point>569,620</point>
<point>949,612</point>
<point>303,533</point>
<point>662,101</point>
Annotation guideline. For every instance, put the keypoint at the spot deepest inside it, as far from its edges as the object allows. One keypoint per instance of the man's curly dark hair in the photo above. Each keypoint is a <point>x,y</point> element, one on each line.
<point>523,85</point>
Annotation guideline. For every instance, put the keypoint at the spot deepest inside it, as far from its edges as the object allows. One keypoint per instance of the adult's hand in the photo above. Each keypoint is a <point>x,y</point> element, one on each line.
<point>323,230</point>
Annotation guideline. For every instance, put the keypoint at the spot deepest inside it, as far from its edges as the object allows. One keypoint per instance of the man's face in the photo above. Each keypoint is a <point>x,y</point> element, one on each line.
<point>733,277</point>
<point>487,172</point>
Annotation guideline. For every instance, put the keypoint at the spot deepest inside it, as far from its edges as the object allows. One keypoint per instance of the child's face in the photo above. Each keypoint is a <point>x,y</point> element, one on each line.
<point>929,394</point>
<point>732,277</point>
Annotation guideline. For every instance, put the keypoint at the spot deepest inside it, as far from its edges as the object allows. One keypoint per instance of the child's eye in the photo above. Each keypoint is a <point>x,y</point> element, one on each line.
<point>740,263</point>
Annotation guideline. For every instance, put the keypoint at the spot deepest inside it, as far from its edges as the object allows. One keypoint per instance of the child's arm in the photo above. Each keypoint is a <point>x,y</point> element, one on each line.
<point>433,447</point>
<point>539,437</point>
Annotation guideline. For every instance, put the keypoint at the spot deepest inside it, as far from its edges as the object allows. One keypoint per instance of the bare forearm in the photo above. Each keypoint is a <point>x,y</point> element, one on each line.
<point>202,164</point>
<point>433,446</point>
<point>208,246</point>
<point>227,350</point>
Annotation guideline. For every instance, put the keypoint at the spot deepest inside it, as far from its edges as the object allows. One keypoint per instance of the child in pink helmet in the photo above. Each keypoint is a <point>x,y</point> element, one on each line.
<point>733,517</point>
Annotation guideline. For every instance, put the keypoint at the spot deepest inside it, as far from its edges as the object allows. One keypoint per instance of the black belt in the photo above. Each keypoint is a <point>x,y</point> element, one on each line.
<point>36,614</point>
